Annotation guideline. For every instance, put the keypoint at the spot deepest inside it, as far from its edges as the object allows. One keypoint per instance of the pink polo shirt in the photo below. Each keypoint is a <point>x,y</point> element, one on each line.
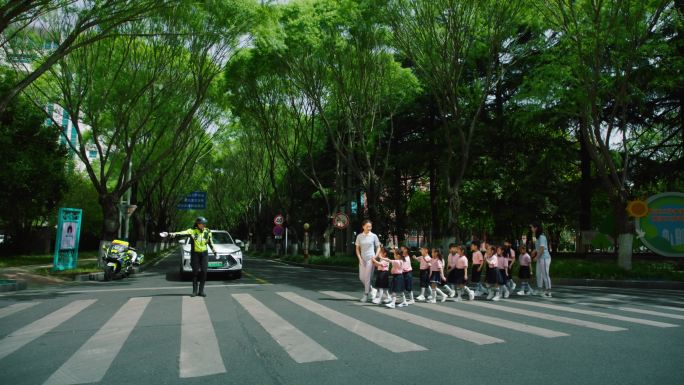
<point>451,260</point>
<point>407,264</point>
<point>436,265</point>
<point>462,262</point>
<point>397,266</point>
<point>502,262</point>
<point>424,262</point>
<point>492,261</point>
<point>384,266</point>
<point>477,258</point>
<point>525,260</point>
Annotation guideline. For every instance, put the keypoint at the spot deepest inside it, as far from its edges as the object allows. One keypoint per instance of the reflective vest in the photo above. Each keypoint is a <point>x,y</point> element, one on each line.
<point>200,239</point>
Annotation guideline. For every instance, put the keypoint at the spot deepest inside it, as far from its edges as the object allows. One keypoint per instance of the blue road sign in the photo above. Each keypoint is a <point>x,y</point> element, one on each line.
<point>196,200</point>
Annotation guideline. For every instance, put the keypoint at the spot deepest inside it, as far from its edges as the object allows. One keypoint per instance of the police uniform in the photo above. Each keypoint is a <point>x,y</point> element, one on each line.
<point>200,240</point>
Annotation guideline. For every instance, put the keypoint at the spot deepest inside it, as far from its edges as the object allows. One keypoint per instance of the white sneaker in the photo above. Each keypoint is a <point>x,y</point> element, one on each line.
<point>513,285</point>
<point>403,304</point>
<point>458,299</point>
<point>376,301</point>
<point>364,298</point>
<point>507,294</point>
<point>386,300</point>
<point>410,302</point>
<point>373,292</point>
<point>490,295</point>
<point>477,293</point>
<point>496,297</point>
<point>452,294</point>
<point>420,298</point>
<point>547,294</point>
<point>521,292</point>
<point>444,297</point>
<point>390,305</point>
<point>471,295</point>
<point>431,300</point>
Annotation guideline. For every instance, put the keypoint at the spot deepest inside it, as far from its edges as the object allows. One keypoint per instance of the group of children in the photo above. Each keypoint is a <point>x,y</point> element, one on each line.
<point>497,261</point>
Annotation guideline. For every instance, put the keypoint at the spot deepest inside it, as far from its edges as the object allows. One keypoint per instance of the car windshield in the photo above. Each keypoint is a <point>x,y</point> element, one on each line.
<point>222,238</point>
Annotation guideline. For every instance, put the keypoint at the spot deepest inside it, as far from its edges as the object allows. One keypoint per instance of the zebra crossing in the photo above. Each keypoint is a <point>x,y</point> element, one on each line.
<point>200,354</point>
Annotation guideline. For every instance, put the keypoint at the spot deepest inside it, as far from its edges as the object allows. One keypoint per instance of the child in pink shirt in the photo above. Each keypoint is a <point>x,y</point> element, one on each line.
<point>437,275</point>
<point>408,274</point>
<point>381,275</point>
<point>424,260</point>
<point>461,275</point>
<point>476,272</point>
<point>492,274</point>
<point>525,271</point>
<point>502,263</point>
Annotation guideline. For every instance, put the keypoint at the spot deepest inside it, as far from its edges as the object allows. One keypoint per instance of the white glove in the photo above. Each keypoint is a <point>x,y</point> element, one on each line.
<point>164,234</point>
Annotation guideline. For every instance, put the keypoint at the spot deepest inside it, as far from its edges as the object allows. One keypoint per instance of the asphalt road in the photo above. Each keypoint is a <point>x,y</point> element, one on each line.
<point>283,324</point>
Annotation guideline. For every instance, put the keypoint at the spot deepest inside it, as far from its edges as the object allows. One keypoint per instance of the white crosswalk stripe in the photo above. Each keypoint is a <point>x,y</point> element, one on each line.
<point>500,322</point>
<point>439,327</point>
<point>596,314</point>
<point>93,359</point>
<point>650,312</point>
<point>200,354</point>
<point>15,308</point>
<point>297,344</point>
<point>669,307</point>
<point>550,317</point>
<point>371,333</point>
<point>30,332</point>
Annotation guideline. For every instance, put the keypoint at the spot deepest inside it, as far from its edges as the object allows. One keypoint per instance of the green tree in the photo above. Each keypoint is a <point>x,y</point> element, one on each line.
<point>33,168</point>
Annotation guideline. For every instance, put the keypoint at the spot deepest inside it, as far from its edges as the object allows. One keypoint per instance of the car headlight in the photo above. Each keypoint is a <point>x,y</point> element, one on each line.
<point>186,254</point>
<point>237,254</point>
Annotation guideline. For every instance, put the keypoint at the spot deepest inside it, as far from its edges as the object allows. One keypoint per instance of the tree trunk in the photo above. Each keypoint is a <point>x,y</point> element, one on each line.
<point>625,237</point>
<point>585,192</point>
<point>110,216</point>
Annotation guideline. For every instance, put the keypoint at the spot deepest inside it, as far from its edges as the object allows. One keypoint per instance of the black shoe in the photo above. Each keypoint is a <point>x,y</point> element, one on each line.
<point>194,294</point>
<point>202,294</point>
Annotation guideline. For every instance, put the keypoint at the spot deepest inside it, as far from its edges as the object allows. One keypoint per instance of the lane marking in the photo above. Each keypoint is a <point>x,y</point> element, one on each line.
<point>298,345</point>
<point>669,307</point>
<point>369,332</point>
<point>30,332</point>
<point>650,312</point>
<point>432,325</point>
<point>499,322</point>
<point>91,362</point>
<point>199,351</point>
<point>259,280</point>
<point>596,314</point>
<point>16,307</point>
<point>548,317</point>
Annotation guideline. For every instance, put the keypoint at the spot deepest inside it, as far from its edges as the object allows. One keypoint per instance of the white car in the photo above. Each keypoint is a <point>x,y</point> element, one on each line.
<point>229,259</point>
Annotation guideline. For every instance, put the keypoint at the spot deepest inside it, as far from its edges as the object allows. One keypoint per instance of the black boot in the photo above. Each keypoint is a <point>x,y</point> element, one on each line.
<point>194,289</point>
<point>201,289</point>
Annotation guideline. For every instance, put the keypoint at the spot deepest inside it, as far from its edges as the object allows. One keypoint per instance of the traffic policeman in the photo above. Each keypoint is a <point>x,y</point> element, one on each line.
<point>200,241</point>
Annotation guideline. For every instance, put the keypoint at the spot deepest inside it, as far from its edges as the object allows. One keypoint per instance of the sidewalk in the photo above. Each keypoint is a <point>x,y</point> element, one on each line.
<point>626,284</point>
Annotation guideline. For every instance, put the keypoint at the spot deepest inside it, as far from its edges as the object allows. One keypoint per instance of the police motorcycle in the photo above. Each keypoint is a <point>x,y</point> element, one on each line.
<point>119,258</point>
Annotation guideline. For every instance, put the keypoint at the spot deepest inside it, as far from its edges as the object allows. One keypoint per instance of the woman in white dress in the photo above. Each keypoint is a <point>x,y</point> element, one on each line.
<point>367,248</point>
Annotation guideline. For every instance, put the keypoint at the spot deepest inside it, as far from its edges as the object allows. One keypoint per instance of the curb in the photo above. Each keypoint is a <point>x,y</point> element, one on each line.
<point>12,285</point>
<point>626,284</point>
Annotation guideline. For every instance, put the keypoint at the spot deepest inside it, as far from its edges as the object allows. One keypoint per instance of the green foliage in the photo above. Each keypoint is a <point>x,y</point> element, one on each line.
<point>33,167</point>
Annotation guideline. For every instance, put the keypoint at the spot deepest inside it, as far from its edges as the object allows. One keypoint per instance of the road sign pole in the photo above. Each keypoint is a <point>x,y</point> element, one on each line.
<point>286,241</point>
